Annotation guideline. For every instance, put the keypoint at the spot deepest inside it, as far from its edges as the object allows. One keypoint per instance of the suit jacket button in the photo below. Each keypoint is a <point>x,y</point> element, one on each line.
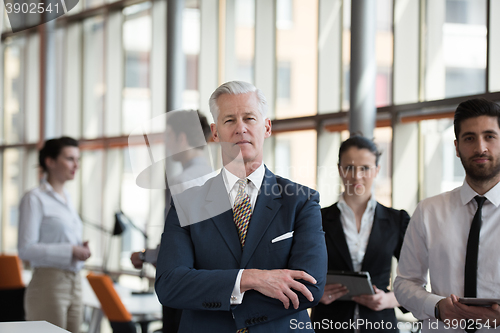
<point>248,322</point>
<point>265,318</point>
<point>219,304</point>
<point>204,304</point>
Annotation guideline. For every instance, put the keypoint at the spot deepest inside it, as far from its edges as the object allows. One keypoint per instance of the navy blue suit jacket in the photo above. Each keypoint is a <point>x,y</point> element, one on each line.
<point>198,264</point>
<point>386,239</point>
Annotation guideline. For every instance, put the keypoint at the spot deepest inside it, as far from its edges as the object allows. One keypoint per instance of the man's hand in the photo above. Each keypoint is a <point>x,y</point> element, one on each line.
<point>448,311</point>
<point>81,252</point>
<point>379,301</point>
<point>478,313</point>
<point>136,261</point>
<point>333,292</point>
<point>277,283</point>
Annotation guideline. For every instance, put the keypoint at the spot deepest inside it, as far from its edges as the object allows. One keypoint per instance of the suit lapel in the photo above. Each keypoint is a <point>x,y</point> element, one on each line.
<point>263,214</point>
<point>376,236</point>
<point>336,233</point>
<point>219,209</point>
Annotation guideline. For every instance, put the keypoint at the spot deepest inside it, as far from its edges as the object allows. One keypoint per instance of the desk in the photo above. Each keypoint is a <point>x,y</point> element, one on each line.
<point>30,327</point>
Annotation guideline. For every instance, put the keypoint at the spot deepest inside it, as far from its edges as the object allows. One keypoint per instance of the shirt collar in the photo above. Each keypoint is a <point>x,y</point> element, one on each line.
<point>46,187</point>
<point>255,177</point>
<point>372,203</point>
<point>467,194</point>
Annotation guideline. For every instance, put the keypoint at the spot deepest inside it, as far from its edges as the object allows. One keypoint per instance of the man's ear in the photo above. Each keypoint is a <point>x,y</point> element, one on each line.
<point>456,148</point>
<point>215,134</point>
<point>267,128</point>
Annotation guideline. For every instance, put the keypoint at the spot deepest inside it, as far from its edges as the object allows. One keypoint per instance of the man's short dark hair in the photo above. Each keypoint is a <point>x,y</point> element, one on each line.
<point>181,122</point>
<point>360,142</point>
<point>473,108</point>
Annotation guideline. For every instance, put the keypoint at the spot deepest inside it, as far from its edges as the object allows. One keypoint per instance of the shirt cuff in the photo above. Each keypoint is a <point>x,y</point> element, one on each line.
<point>430,304</point>
<point>237,295</point>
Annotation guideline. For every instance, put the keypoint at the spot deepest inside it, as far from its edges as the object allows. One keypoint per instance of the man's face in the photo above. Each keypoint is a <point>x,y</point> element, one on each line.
<point>241,127</point>
<point>478,147</point>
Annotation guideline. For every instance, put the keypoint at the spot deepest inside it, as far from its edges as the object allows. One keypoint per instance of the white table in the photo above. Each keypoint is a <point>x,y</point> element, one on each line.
<point>30,327</point>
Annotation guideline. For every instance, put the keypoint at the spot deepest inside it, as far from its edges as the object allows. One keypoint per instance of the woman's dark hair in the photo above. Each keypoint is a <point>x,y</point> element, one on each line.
<point>473,108</point>
<point>360,142</point>
<point>53,147</point>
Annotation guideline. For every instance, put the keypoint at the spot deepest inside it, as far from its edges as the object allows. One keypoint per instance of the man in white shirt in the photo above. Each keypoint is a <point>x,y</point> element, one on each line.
<point>245,251</point>
<point>453,236</point>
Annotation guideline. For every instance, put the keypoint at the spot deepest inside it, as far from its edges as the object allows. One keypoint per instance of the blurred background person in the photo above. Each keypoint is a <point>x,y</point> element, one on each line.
<point>50,238</point>
<point>182,140</point>
<point>361,235</point>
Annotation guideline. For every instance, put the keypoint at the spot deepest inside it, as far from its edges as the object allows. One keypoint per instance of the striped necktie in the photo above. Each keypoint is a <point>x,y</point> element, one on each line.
<point>242,212</point>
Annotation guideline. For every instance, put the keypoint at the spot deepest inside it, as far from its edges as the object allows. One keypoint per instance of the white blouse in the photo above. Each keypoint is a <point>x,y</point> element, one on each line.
<point>49,227</point>
<point>357,241</point>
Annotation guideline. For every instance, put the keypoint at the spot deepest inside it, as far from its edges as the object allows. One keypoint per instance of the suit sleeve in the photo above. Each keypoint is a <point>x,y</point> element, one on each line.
<point>178,284</point>
<point>308,254</point>
<point>404,220</point>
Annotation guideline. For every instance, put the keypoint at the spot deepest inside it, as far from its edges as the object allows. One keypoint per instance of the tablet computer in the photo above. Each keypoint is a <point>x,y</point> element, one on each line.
<point>479,301</point>
<point>358,283</point>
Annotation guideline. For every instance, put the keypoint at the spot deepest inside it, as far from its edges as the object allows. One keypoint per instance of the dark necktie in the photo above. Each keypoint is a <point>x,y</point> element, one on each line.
<point>242,212</point>
<point>470,280</point>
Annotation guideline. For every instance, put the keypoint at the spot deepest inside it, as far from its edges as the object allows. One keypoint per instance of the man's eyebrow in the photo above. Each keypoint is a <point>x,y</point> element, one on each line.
<point>467,133</point>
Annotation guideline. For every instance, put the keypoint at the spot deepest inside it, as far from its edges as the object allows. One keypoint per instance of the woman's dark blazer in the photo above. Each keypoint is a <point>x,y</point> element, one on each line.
<point>386,239</point>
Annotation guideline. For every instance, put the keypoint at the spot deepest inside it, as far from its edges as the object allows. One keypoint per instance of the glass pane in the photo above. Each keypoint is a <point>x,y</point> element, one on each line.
<point>12,193</point>
<point>134,203</point>
<point>240,40</point>
<point>329,183</point>
<point>13,91</point>
<point>137,46</point>
<point>456,48</point>
<point>384,49</point>
<point>442,170</point>
<point>93,77</point>
<point>92,3</point>
<point>295,157</point>
<point>91,201</point>
<point>383,183</point>
<point>346,54</point>
<point>32,113</point>
<point>191,45</point>
<point>297,58</point>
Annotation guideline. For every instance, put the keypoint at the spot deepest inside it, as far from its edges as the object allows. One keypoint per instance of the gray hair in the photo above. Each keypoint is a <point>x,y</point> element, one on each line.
<point>236,88</point>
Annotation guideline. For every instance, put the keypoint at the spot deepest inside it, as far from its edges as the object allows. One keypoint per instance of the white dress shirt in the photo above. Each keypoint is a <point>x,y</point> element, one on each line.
<point>357,241</point>
<point>436,242</point>
<point>49,227</point>
<point>252,189</point>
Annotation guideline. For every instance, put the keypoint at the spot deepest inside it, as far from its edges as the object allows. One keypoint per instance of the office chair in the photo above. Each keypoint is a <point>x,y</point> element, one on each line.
<point>11,289</point>
<point>112,306</point>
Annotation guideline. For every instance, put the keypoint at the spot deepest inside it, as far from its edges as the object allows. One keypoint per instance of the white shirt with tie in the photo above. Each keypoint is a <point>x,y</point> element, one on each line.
<point>252,190</point>
<point>436,242</point>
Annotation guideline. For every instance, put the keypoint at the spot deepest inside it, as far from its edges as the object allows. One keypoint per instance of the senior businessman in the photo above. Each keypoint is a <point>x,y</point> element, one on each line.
<point>246,251</point>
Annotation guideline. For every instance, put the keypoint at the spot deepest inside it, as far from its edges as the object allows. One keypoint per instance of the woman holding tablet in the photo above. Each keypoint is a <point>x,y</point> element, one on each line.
<point>50,238</point>
<point>361,235</point>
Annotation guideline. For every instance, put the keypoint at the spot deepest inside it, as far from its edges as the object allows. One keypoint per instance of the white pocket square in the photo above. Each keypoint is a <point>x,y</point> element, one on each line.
<point>282,237</point>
